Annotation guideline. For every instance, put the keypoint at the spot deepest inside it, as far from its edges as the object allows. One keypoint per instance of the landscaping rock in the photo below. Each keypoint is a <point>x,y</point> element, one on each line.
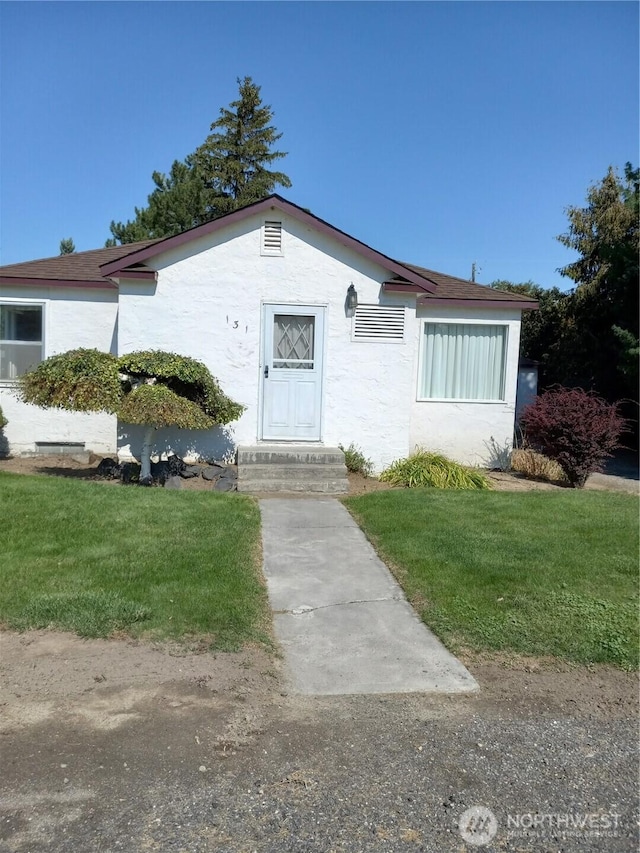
<point>191,471</point>
<point>82,458</point>
<point>175,465</point>
<point>173,483</point>
<point>130,472</point>
<point>216,463</point>
<point>108,468</point>
<point>212,473</point>
<point>160,471</point>
<point>225,484</point>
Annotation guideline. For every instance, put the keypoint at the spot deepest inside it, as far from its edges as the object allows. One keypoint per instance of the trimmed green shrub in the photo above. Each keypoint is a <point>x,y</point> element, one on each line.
<point>356,461</point>
<point>151,388</point>
<point>81,380</point>
<point>186,377</point>
<point>423,468</point>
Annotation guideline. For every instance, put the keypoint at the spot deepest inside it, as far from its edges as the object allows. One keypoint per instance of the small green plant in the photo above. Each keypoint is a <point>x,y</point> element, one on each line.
<point>3,420</point>
<point>423,468</point>
<point>356,461</point>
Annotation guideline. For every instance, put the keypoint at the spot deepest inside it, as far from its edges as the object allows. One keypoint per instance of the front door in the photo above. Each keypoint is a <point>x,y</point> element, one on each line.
<point>292,372</point>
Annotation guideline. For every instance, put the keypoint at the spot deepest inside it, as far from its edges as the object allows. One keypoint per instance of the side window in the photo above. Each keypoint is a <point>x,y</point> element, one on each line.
<point>20,339</point>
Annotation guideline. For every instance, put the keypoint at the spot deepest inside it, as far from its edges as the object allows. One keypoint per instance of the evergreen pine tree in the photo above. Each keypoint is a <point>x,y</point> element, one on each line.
<point>234,158</point>
<point>67,246</point>
<point>227,171</point>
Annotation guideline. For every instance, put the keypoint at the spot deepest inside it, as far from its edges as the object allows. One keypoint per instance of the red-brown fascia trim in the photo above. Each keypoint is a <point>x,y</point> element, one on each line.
<point>402,287</point>
<point>113,268</point>
<point>56,282</point>
<point>478,303</point>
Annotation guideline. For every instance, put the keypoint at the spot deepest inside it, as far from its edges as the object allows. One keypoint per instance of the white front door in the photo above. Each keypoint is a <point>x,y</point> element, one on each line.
<point>292,372</point>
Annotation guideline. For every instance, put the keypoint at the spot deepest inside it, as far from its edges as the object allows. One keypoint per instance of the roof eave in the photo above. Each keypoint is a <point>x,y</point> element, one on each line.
<point>402,287</point>
<point>115,268</point>
<point>457,302</point>
<point>23,281</point>
<point>136,275</point>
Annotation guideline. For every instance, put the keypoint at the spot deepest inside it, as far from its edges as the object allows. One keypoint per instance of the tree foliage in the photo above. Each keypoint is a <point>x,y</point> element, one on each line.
<point>154,388</point>
<point>3,420</point>
<point>578,430</point>
<point>588,337</point>
<point>229,170</point>
<point>542,330</point>
<point>81,380</point>
<point>602,328</point>
<point>179,201</point>
<point>233,160</point>
<point>67,246</point>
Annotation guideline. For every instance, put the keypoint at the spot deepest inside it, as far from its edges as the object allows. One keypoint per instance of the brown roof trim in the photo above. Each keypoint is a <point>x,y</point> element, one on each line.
<point>112,268</point>
<point>56,282</point>
<point>401,287</point>
<point>532,305</point>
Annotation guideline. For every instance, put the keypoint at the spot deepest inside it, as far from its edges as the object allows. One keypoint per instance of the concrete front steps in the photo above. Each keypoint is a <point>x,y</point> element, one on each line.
<point>292,468</point>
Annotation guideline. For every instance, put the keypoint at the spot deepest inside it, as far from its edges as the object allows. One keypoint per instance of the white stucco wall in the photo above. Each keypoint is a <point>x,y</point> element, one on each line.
<point>470,433</point>
<point>72,318</point>
<point>208,305</point>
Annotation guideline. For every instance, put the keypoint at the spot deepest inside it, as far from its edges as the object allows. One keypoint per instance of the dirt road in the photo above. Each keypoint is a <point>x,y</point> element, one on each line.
<point>118,746</point>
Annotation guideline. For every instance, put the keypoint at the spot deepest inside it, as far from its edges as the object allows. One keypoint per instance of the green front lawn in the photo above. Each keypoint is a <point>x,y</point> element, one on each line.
<point>541,573</point>
<point>98,559</point>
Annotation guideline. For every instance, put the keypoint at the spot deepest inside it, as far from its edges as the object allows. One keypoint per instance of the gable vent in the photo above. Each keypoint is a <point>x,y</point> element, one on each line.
<point>272,238</point>
<point>378,323</point>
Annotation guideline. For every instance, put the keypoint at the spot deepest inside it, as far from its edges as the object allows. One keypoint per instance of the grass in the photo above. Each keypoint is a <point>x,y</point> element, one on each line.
<point>98,560</point>
<point>534,573</point>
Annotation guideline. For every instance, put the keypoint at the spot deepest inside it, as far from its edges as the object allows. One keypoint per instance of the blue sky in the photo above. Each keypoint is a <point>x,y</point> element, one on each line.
<point>438,133</point>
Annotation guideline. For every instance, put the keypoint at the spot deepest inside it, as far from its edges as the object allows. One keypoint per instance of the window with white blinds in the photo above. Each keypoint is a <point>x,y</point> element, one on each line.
<point>271,238</point>
<point>462,361</point>
<point>378,323</point>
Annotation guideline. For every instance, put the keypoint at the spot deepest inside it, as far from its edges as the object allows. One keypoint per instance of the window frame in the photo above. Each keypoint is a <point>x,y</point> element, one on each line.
<point>432,321</point>
<point>26,303</point>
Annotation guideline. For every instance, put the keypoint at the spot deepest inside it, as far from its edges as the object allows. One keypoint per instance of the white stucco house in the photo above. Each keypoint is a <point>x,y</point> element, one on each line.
<point>323,339</point>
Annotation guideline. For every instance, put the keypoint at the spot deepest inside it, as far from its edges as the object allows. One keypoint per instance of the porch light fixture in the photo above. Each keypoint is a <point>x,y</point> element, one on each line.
<point>352,298</point>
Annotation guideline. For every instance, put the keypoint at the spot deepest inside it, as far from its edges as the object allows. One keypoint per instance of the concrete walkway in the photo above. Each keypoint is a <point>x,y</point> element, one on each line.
<point>341,618</point>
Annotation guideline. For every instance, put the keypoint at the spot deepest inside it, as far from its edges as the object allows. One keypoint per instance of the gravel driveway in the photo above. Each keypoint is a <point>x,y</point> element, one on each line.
<point>202,753</point>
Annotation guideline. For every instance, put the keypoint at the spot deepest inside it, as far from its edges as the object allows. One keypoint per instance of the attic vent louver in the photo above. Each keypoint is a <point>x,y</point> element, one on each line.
<point>378,323</point>
<point>272,238</point>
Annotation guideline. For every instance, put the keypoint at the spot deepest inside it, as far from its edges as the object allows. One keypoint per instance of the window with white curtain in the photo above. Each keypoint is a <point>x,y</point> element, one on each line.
<point>20,339</point>
<point>462,361</point>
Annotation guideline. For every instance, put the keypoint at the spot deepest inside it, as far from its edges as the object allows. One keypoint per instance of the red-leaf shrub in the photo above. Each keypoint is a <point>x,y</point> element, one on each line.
<point>577,429</point>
